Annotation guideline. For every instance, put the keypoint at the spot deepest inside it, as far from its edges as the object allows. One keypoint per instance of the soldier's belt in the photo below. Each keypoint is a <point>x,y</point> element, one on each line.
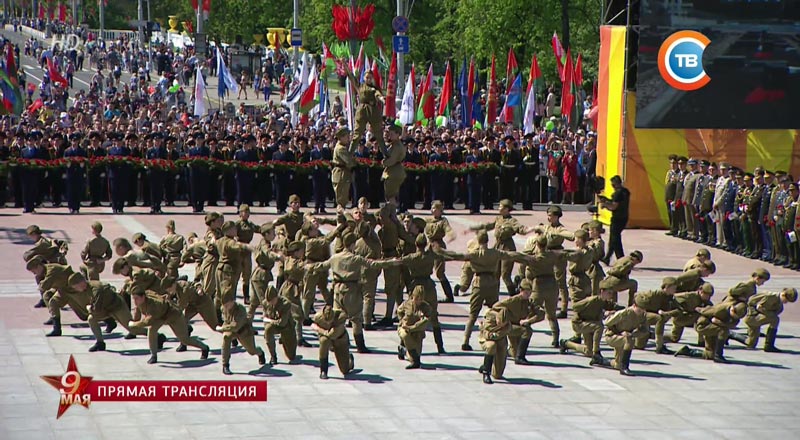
<point>481,274</point>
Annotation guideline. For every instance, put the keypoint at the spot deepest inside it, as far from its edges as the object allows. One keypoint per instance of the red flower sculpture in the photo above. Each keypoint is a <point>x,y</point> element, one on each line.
<point>361,17</point>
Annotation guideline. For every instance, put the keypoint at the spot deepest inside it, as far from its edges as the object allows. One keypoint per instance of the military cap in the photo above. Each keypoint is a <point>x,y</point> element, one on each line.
<point>343,130</point>
<point>525,284</point>
<point>704,163</point>
<point>228,225</point>
<point>97,226</point>
<point>157,135</point>
<point>171,224</point>
<point>668,281</point>
<point>191,235</point>
<point>138,236</point>
<point>703,252</point>
<point>710,266</point>
<point>295,246</point>
<point>506,203</point>
<point>555,210</point>
<point>396,129</point>
<point>594,224</point>
<point>95,135</point>
<point>582,234</point>
<point>692,161</point>
<point>638,255</point>
<point>682,159</point>
<point>419,223</point>
<point>305,228</point>
<point>791,294</point>
<point>75,136</point>
<point>167,282</point>
<point>724,165</point>
<point>768,173</point>
<point>212,216</point>
<point>75,278</point>
<point>266,228</point>
<point>759,171</point>
<point>606,284</point>
<point>294,198</point>
<point>748,176</point>
<point>244,207</point>
<point>482,237</point>
<point>348,239</point>
<point>761,273</point>
<point>271,294</point>
<point>739,309</point>
<point>33,230</point>
<point>34,262</point>
<point>541,241</point>
<point>707,288</point>
<point>121,242</point>
<point>437,204</point>
<point>672,157</point>
<point>118,265</point>
<point>421,240</point>
<point>780,173</point>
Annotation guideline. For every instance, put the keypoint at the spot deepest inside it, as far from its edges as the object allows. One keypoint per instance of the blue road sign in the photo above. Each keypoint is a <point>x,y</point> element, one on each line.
<point>400,43</point>
<point>297,37</point>
<point>400,24</point>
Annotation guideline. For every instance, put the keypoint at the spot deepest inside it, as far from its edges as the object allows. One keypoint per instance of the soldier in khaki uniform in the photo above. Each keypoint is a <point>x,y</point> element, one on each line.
<point>505,228</point>
<point>104,304</point>
<point>622,328</point>
<point>393,171</point>
<point>619,278</point>
<point>579,262</point>
<point>598,246</point>
<point>229,269</point>
<point>172,246</point>
<point>522,313</point>
<point>148,247</point>
<point>343,163</point>
<point>390,235</point>
<point>50,251</point>
<point>541,271</point>
<point>261,278</point>
<point>765,309</point>
<point>190,299</point>
<point>278,321</point>
<point>698,260</point>
<point>713,326</point>
<point>291,223</point>
<point>659,306</point>
<point>208,267</point>
<point>437,228</point>
<point>237,326</point>
<point>294,270</point>
<point>95,254</point>
<point>194,253</point>
<point>370,100</point>
<point>556,233</point>
<point>138,279</point>
<point>743,291</point>
<point>245,230</point>
<point>330,327</point>
<point>414,314</point>
<point>156,312</point>
<point>687,309</point>
<point>678,226</point>
<point>493,339</point>
<point>692,279</point>
<point>347,268</point>
<point>57,292</point>
<point>670,185</point>
<point>368,245</point>
<point>123,249</point>
<point>687,199</point>
<point>317,249</point>
<point>467,274</point>
<point>587,323</point>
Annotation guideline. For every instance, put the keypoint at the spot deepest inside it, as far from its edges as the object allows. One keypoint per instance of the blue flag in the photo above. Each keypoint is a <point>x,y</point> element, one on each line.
<point>477,111</point>
<point>514,96</point>
<point>227,84</point>
<point>462,89</point>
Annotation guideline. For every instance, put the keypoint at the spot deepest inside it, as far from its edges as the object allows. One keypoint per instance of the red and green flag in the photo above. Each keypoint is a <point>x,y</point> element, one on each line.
<point>447,94</point>
<point>491,100</point>
<point>426,108</point>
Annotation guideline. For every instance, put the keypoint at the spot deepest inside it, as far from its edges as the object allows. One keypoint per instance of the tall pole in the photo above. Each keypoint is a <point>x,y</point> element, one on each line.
<point>296,25</point>
<point>102,19</point>
<point>353,29</point>
<point>149,41</point>
<point>401,11</point>
<point>199,35</point>
<point>140,18</point>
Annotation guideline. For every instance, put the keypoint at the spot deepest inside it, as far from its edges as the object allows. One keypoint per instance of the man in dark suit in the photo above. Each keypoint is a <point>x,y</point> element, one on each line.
<point>76,174</point>
<point>198,173</point>
<point>245,178</point>
<point>156,176</point>
<point>283,177</point>
<point>118,173</point>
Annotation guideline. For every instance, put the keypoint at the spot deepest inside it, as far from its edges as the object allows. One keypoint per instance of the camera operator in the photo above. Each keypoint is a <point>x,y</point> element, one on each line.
<point>618,205</point>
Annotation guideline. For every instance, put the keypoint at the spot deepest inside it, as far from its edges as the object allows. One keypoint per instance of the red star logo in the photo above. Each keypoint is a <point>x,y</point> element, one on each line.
<point>72,387</point>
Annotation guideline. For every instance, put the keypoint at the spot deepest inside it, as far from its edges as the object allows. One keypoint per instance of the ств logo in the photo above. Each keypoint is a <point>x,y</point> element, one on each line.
<point>680,60</point>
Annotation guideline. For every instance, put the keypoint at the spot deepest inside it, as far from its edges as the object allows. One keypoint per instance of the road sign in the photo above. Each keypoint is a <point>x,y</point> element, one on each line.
<point>297,37</point>
<point>400,24</point>
<point>400,43</point>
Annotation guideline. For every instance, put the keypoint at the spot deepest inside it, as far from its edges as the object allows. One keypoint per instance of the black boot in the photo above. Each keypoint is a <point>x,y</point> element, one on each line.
<point>664,350</point>
<point>562,346</point>
<point>161,340</point>
<point>181,348</point>
<point>486,369</point>
<point>448,292</point>
<point>39,304</point>
<point>204,353</point>
<point>401,352</point>
<point>624,369</point>
<point>226,369</point>
<point>262,358</point>
<point>769,345</point>
<point>360,344</point>
<point>686,351</point>
<point>719,353</point>
<point>522,350</point>
<point>130,336</point>
<point>323,368</point>
<point>153,359</point>
<point>56,327</point>
<point>415,363</point>
<point>110,325</point>
<point>576,339</point>
<point>437,336</point>
<point>219,316</point>
<point>49,321</point>
<point>556,335</point>
<point>738,337</point>
<point>457,290</point>
<point>98,346</point>
<point>598,360</point>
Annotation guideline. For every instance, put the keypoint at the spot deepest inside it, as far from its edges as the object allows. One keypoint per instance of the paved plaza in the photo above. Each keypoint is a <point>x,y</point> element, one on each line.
<point>558,397</point>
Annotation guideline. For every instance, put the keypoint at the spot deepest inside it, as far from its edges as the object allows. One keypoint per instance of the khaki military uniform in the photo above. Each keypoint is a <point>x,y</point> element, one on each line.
<point>291,222</point>
<point>140,280</point>
<point>687,200</point>
<point>229,268</point>
<point>519,308</point>
<point>493,338</point>
<point>390,234</point>
<point>659,306</point>
<point>367,112</point>
<point>208,267</point>
<point>94,256</point>
<point>629,321</point>
<point>619,279</point>
<point>713,333</point>
<point>172,246</point>
<point>588,324</point>
<point>156,312</point>
<point>595,271</point>
<point>333,337</point>
<point>318,249</point>
<point>411,329</point>
<point>292,289</point>
<point>342,173</point>
<point>505,228</point>
<point>58,293</point>
<point>540,269</point>
<point>144,260</point>
<point>245,230</point>
<point>741,292</point>
<point>689,281</point>
<point>193,302</point>
<point>393,172</point>
<point>194,253</point>
<point>278,321</point>
<point>369,246</point>
<point>685,313</point>
<point>49,250</point>
<point>106,303</point>
<point>467,274</point>
<point>436,229</point>
<point>556,234</point>
<point>693,263</point>
<point>238,326</point>
<point>762,309</point>
<point>261,277</point>
<point>580,285</point>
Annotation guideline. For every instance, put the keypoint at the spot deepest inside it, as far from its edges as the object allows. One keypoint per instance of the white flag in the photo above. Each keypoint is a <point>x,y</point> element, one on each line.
<point>200,94</point>
<point>227,84</point>
<point>530,111</point>
<point>407,110</point>
<point>349,103</point>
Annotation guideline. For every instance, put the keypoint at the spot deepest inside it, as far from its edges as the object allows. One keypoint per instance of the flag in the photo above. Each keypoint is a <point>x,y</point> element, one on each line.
<point>206,8</point>
<point>558,51</point>
<point>530,112</point>
<point>62,12</point>
<point>477,110</point>
<point>567,98</point>
<point>41,11</point>
<point>594,112</point>
<point>406,115</point>
<point>55,76</point>
<point>577,81</point>
<point>426,108</point>
<point>35,106</point>
<point>513,99</point>
<point>359,66</point>
<point>535,80</point>
<point>390,107</point>
<point>463,93</point>
<point>310,97</point>
<point>381,52</point>
<point>511,67</point>
<point>376,73</point>
<point>491,100</point>
<point>447,93</point>
<point>227,84</point>
<point>305,72</point>
<point>199,94</point>
<point>326,54</point>
<point>578,78</point>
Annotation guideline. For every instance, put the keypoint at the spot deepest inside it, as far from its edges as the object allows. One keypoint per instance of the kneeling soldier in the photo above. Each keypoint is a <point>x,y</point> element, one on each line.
<point>493,339</point>
<point>659,305</point>
<point>622,328</point>
<point>414,314</point>
<point>522,313</point>
<point>764,309</point>
<point>278,321</point>
<point>714,326</point>
<point>588,324</point>
<point>330,326</point>
<point>238,326</point>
